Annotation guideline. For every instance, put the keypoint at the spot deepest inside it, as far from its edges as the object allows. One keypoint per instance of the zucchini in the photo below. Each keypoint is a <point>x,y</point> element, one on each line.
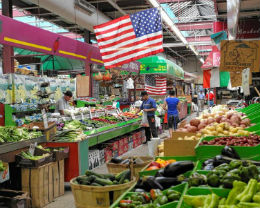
<point>126,175</point>
<point>89,173</point>
<point>84,180</point>
<point>109,176</point>
<point>119,175</point>
<point>115,182</point>
<point>95,184</point>
<point>103,182</point>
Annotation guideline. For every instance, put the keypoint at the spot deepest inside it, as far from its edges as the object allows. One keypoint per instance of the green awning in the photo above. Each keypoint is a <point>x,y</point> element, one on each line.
<point>50,62</point>
<point>160,65</point>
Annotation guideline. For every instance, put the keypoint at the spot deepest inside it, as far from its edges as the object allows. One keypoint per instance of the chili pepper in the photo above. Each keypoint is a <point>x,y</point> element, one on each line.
<point>249,191</point>
<point>155,193</point>
<point>256,197</point>
<point>147,198</point>
<point>238,187</point>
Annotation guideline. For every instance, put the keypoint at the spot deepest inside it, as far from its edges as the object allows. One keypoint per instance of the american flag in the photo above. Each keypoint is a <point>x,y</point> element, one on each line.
<point>155,85</point>
<point>130,37</point>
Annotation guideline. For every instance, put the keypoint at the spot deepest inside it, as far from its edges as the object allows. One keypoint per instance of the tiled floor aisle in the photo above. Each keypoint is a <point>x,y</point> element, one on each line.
<point>67,200</point>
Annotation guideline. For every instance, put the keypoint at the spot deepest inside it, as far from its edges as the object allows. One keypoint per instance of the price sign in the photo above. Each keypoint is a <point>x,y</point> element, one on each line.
<point>73,116</point>
<point>45,120</point>
<point>32,148</point>
<point>90,113</point>
<point>82,116</point>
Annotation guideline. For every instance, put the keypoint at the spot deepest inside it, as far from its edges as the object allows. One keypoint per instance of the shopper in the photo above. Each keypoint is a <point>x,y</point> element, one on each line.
<point>172,105</point>
<point>210,98</point>
<point>201,100</point>
<point>64,102</point>
<point>149,108</point>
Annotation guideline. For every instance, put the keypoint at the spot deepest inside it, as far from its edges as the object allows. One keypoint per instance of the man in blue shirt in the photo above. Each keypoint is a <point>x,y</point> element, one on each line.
<point>149,106</point>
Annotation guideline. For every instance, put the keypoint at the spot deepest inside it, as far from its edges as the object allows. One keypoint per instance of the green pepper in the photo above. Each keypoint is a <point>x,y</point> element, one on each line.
<point>162,199</point>
<point>229,178</point>
<point>249,191</point>
<point>214,201</point>
<point>195,201</point>
<point>207,201</point>
<point>223,166</point>
<point>213,180</point>
<point>174,197</point>
<point>171,191</point>
<point>238,187</point>
<point>248,205</point>
<point>253,172</point>
<point>256,197</point>
<point>244,173</point>
<point>235,164</point>
<point>155,193</point>
<point>235,171</point>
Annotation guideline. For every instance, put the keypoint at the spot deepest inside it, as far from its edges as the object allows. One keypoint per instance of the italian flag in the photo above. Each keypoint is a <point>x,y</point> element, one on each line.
<point>214,78</point>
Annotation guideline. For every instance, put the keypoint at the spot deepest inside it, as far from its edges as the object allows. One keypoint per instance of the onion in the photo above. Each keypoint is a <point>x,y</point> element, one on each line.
<point>211,120</point>
<point>195,122</point>
<point>243,126</point>
<point>201,126</point>
<point>229,115</point>
<point>192,129</point>
<point>218,119</point>
<point>235,119</point>
<point>246,121</point>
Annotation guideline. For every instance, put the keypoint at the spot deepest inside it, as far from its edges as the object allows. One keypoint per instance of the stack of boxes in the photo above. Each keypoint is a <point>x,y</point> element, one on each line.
<point>115,148</point>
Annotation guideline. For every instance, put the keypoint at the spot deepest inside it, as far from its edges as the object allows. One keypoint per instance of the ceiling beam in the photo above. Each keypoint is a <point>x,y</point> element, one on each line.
<point>198,39</point>
<point>244,5</point>
<point>204,47</point>
<point>195,25</point>
<point>171,1</point>
<point>233,7</point>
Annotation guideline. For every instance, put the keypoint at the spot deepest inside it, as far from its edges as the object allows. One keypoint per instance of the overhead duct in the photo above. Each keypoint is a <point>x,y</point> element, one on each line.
<point>74,14</point>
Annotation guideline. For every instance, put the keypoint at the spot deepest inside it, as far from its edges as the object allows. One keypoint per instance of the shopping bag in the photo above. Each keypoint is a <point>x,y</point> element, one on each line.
<point>144,121</point>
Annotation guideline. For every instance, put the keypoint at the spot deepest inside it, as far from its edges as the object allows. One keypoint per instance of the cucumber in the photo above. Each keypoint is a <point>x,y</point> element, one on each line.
<point>103,182</point>
<point>115,182</point>
<point>109,176</point>
<point>126,175</point>
<point>120,175</point>
<point>89,173</point>
<point>84,180</point>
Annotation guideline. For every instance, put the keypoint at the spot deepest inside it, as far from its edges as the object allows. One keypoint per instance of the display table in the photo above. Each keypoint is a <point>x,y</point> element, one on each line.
<point>77,163</point>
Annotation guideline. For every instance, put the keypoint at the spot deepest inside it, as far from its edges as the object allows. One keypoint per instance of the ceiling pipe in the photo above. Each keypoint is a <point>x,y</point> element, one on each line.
<point>112,3</point>
<point>66,10</point>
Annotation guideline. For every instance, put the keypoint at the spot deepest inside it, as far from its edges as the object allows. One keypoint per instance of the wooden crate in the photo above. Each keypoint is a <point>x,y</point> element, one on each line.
<point>97,196</point>
<point>44,183</point>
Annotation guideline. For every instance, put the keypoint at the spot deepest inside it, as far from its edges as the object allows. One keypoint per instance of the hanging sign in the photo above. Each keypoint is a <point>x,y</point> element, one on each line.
<point>245,81</point>
<point>237,55</point>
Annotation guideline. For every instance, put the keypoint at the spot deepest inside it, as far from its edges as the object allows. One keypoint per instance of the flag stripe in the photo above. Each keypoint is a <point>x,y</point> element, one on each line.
<point>159,88</point>
<point>132,43</point>
<point>150,53</point>
<point>133,54</point>
<point>115,29</point>
<point>119,34</point>
<point>135,48</point>
<point>106,45</point>
<point>113,23</point>
<point>133,39</point>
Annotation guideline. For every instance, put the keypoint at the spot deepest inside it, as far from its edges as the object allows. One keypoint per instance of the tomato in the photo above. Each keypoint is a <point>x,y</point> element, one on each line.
<point>152,168</point>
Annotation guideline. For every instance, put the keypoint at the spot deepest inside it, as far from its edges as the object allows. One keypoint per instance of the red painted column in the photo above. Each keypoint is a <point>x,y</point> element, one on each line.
<point>8,52</point>
<point>86,37</point>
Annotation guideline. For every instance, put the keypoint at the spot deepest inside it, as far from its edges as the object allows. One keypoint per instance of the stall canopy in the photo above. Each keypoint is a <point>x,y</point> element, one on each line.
<point>160,65</point>
<point>51,62</point>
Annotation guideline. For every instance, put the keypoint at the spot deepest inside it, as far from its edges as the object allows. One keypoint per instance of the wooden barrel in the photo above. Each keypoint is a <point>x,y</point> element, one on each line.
<point>118,168</point>
<point>97,196</point>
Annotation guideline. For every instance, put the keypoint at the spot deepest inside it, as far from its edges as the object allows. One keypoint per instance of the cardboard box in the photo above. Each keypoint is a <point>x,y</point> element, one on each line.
<point>102,156</point>
<point>173,147</point>
<point>130,146</point>
<point>93,159</point>
<point>5,175</point>
<point>108,154</point>
<point>125,141</point>
<point>121,150</point>
<point>176,135</point>
<point>121,142</point>
<point>125,148</point>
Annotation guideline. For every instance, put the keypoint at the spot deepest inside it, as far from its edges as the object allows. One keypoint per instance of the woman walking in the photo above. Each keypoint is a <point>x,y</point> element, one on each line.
<point>172,105</point>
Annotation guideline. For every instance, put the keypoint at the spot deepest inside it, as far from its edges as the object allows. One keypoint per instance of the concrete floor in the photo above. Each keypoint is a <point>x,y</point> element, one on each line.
<point>67,200</point>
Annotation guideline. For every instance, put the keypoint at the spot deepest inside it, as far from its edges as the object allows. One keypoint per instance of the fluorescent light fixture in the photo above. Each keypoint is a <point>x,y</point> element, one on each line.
<point>173,27</point>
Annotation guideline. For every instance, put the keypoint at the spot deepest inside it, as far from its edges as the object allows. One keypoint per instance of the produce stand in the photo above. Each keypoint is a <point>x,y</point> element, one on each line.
<point>78,161</point>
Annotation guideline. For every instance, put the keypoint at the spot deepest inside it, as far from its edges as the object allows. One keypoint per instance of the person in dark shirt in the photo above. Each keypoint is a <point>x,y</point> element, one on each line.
<point>149,108</point>
<point>172,105</point>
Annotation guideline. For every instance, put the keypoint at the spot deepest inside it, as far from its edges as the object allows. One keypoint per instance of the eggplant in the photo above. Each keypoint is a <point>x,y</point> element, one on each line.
<point>177,168</point>
<point>167,182</point>
<point>116,160</point>
<point>159,173</point>
<point>150,183</point>
<point>230,152</point>
<point>219,159</point>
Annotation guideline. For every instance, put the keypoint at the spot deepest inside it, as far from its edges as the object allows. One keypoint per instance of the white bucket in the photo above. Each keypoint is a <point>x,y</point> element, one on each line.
<point>152,146</point>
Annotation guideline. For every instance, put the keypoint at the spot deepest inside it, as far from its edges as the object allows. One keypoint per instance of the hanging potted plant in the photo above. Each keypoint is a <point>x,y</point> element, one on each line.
<point>107,76</point>
<point>98,76</point>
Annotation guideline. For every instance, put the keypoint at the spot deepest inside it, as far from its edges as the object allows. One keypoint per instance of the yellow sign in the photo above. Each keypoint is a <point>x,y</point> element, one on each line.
<point>236,55</point>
